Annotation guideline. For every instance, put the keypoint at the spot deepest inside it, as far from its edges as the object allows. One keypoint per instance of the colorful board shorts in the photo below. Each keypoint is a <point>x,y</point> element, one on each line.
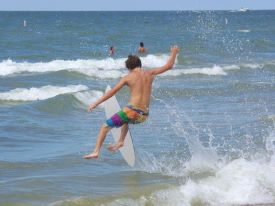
<point>129,114</point>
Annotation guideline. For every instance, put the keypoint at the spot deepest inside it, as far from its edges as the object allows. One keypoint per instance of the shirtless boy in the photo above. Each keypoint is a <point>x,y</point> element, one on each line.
<point>140,83</point>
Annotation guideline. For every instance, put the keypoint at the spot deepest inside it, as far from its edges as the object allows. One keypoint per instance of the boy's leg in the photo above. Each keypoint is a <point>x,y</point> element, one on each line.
<point>100,139</point>
<point>116,146</point>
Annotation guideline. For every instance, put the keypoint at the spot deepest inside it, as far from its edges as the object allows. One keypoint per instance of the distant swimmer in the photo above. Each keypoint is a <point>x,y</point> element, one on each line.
<point>111,51</point>
<point>137,111</point>
<point>141,48</point>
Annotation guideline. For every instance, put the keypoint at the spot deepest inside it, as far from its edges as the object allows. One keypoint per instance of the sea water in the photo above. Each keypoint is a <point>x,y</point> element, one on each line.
<point>210,136</point>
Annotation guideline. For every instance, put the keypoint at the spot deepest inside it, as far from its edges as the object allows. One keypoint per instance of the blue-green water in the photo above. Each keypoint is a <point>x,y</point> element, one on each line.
<point>210,138</point>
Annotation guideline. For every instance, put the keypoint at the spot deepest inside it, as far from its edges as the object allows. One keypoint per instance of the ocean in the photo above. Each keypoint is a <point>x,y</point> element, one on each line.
<point>210,136</point>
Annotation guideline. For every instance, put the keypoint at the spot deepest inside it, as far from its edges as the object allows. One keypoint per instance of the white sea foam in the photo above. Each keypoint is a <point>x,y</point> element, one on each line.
<point>240,182</point>
<point>237,182</point>
<point>231,67</point>
<point>113,68</point>
<point>42,93</point>
<point>105,68</point>
<point>215,70</point>
<point>253,66</point>
<point>244,30</point>
<point>211,71</point>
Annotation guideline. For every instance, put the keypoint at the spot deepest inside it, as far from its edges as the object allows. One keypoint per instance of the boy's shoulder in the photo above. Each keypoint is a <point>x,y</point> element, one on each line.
<point>127,77</point>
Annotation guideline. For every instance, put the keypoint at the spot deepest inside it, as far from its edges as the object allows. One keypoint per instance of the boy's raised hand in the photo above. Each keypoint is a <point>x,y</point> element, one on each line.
<point>175,49</point>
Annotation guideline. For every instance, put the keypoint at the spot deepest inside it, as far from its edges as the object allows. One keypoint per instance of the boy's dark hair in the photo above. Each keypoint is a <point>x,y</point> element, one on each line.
<point>141,44</point>
<point>133,62</point>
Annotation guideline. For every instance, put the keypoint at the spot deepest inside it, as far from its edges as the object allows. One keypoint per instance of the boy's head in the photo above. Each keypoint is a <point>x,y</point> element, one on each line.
<point>141,44</point>
<point>132,62</point>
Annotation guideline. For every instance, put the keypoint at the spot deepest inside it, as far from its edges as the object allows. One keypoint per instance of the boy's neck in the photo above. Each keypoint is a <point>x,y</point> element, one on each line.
<point>135,69</point>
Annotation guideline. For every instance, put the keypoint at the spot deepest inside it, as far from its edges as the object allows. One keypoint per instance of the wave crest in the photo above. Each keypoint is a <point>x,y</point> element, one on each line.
<point>42,93</point>
<point>115,68</point>
<point>105,68</point>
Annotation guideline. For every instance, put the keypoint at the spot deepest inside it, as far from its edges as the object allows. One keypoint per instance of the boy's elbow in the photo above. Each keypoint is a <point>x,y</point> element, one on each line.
<point>169,66</point>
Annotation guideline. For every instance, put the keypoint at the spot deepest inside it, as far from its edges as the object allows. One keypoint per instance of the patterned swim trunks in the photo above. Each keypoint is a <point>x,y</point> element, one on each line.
<point>129,114</point>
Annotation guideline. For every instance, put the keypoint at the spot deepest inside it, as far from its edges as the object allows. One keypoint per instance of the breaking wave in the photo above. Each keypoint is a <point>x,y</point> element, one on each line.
<point>113,68</point>
<point>105,68</point>
<point>42,93</point>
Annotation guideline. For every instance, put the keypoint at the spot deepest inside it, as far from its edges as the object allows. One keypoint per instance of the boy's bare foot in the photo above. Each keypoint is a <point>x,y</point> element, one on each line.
<point>92,155</point>
<point>114,147</point>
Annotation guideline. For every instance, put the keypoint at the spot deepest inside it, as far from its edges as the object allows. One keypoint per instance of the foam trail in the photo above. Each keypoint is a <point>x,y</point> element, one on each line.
<point>42,93</point>
<point>202,159</point>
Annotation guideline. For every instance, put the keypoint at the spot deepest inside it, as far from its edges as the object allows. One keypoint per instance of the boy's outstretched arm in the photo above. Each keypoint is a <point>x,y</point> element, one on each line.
<point>168,65</point>
<point>108,95</point>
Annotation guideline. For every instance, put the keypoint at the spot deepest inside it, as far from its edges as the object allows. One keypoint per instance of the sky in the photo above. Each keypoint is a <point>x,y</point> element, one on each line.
<point>131,5</point>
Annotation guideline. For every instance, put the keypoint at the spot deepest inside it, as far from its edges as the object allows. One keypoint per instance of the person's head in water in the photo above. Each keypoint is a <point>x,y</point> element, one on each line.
<point>133,62</point>
<point>141,44</point>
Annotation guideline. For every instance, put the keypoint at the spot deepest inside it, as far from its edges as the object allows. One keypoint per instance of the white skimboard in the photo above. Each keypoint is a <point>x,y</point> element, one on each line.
<point>111,107</point>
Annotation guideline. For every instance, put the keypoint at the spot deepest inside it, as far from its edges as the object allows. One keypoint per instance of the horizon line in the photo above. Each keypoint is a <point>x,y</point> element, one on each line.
<point>133,10</point>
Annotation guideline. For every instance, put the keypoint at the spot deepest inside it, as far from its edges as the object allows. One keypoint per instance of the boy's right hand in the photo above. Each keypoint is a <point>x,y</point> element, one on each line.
<point>175,49</point>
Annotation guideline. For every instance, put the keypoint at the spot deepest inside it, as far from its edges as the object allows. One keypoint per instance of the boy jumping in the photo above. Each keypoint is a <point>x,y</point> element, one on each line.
<point>140,83</point>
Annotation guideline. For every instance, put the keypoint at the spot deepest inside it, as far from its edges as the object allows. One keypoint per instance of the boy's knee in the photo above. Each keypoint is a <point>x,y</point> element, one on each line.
<point>105,126</point>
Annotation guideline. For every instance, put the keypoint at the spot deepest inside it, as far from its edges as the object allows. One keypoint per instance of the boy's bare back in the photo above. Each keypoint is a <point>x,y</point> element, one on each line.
<point>140,83</point>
